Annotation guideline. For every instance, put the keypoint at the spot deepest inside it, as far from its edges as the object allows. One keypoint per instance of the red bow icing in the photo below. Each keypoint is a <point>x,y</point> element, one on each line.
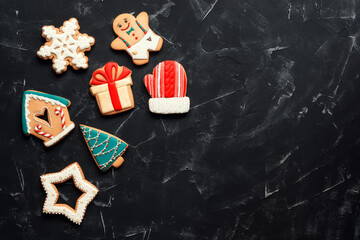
<point>110,78</point>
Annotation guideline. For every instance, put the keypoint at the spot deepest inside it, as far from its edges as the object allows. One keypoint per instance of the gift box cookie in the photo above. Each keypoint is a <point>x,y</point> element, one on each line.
<point>111,85</point>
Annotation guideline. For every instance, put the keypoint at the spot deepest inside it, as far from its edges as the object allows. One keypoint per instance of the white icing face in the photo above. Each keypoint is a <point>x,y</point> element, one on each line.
<point>89,192</point>
<point>65,45</point>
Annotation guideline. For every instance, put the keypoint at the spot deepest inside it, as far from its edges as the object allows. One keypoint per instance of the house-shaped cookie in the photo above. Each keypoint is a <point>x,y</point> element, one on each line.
<point>46,116</point>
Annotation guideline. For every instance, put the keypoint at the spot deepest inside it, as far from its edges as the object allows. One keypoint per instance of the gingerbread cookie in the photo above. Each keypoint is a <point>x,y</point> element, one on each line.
<point>167,88</point>
<point>105,148</point>
<point>52,207</point>
<point>111,85</point>
<point>46,116</point>
<point>66,45</point>
<point>135,36</point>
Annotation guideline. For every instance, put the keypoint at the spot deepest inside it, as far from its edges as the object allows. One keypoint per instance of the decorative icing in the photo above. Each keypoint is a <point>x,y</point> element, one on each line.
<point>66,45</point>
<point>169,105</point>
<point>36,118</point>
<point>48,98</point>
<point>111,86</point>
<point>38,131</point>
<point>143,46</point>
<point>60,135</point>
<point>167,87</point>
<point>168,80</point>
<point>130,30</point>
<point>110,76</point>
<point>136,35</point>
<point>58,111</point>
<point>126,43</point>
<point>141,27</point>
<point>104,147</point>
<point>52,207</point>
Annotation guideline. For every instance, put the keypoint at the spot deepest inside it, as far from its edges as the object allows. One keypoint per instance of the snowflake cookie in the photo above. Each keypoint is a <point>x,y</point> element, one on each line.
<point>66,45</point>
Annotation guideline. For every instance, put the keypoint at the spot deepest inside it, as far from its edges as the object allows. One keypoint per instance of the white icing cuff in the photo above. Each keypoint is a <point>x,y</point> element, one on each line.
<point>59,136</point>
<point>169,105</point>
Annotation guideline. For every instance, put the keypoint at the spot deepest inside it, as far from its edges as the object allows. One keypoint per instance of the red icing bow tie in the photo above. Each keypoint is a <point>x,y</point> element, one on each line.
<point>108,74</point>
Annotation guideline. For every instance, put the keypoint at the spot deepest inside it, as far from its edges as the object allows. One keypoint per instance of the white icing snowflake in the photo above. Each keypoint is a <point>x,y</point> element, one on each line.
<point>66,46</point>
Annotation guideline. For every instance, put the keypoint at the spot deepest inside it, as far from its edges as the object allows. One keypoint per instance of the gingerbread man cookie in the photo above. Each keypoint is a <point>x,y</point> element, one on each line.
<point>135,36</point>
<point>66,45</point>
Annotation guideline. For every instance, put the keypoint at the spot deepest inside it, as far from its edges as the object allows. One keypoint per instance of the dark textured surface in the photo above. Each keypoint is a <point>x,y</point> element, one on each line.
<point>269,149</point>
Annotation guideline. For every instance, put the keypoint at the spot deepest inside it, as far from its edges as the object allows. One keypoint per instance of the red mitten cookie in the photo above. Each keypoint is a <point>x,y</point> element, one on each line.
<point>167,88</point>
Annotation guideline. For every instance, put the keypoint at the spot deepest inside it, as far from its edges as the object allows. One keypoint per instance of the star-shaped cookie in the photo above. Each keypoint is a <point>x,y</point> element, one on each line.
<point>52,207</point>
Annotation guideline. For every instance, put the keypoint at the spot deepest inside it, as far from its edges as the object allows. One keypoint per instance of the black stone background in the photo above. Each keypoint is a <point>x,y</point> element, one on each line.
<point>269,149</point>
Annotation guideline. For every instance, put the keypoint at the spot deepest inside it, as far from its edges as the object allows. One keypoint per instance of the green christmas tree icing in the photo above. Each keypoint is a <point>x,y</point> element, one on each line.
<point>105,148</point>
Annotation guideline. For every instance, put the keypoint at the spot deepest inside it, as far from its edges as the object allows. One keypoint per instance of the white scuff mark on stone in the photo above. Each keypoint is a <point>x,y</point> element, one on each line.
<point>172,43</point>
<point>21,177</point>
<point>63,196</point>
<point>302,113</point>
<point>217,98</point>
<point>164,10</point>
<point>102,204</point>
<point>103,223</point>
<point>108,188</point>
<point>153,135</point>
<point>162,122</point>
<point>296,204</point>
<point>122,124</point>
<point>288,155</point>
<point>306,175</point>
<point>147,233</point>
<point>135,231</point>
<point>336,184</point>
<point>202,8</point>
<point>18,47</point>
<point>268,193</point>
<point>269,51</point>
<point>289,11</point>
<point>211,8</point>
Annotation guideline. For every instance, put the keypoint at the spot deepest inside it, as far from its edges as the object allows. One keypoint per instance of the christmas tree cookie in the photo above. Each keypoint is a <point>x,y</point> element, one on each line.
<point>106,149</point>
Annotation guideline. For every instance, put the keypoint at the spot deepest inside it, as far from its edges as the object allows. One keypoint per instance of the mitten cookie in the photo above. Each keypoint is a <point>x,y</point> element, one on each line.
<point>46,116</point>
<point>135,36</point>
<point>52,194</point>
<point>167,88</point>
<point>66,46</point>
<point>111,85</point>
<point>105,148</point>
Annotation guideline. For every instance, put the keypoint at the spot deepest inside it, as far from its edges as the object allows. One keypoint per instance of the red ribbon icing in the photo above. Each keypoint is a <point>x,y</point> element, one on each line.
<point>110,79</point>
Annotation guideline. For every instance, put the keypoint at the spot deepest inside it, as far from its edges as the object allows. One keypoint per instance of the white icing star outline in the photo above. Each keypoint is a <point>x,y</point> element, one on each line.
<point>52,207</point>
